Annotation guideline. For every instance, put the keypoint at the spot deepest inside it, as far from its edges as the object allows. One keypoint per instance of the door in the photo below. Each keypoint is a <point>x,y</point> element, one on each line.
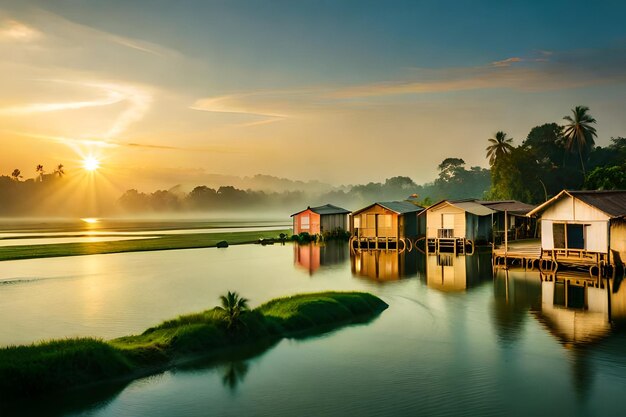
<point>575,236</point>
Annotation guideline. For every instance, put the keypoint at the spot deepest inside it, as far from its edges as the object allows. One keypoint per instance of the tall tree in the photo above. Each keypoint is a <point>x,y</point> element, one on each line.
<point>39,171</point>
<point>16,174</point>
<point>59,170</point>
<point>499,146</point>
<point>233,305</point>
<point>580,132</point>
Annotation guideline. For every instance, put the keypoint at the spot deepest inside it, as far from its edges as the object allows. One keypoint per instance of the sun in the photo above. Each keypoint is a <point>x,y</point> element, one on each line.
<point>91,164</point>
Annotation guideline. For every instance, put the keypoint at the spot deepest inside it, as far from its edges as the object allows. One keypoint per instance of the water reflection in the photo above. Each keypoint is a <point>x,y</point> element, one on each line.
<point>574,308</point>
<point>313,256</point>
<point>449,272</point>
<point>384,265</point>
<point>515,294</point>
<point>234,373</point>
<point>584,315</point>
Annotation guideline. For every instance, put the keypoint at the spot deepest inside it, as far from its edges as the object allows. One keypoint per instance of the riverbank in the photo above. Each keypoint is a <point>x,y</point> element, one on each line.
<point>63,364</point>
<point>163,242</point>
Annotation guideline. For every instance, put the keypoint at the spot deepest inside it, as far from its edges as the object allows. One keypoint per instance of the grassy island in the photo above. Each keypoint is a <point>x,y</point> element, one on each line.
<point>63,364</point>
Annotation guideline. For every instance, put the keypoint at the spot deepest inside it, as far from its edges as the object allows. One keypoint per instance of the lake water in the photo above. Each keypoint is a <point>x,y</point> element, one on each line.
<point>455,340</point>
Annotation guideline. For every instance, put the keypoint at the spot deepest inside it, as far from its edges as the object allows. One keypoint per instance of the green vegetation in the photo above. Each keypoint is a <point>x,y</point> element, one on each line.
<point>555,157</point>
<point>63,364</point>
<point>164,242</point>
<point>233,305</point>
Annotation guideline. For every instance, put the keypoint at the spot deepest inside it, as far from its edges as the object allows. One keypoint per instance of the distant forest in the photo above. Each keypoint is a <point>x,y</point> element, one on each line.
<point>552,157</point>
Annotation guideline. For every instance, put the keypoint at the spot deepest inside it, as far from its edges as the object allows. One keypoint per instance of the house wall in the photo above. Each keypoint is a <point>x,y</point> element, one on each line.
<point>618,241</point>
<point>570,210</point>
<point>434,220</point>
<point>369,220</point>
<point>409,225</point>
<point>299,226</point>
<point>330,222</point>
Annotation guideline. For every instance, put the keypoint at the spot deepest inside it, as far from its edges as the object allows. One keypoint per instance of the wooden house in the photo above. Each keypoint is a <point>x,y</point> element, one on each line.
<point>453,225</point>
<point>584,227</point>
<point>386,224</point>
<point>317,220</point>
<point>517,224</point>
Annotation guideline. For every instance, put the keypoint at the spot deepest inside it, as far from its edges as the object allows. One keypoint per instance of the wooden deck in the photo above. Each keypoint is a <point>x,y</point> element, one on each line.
<point>528,254</point>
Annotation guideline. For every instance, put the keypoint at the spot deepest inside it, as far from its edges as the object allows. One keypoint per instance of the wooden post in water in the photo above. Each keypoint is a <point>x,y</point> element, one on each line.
<point>506,236</point>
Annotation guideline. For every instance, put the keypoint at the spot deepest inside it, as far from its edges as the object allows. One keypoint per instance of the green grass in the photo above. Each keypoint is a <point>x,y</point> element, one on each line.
<point>165,242</point>
<point>62,364</point>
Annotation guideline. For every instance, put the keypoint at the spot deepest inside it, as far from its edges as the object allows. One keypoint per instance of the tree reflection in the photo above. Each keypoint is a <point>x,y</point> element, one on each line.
<point>234,373</point>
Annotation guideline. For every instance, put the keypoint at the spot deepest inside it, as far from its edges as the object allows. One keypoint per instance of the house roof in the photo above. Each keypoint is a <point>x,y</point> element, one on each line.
<point>470,206</point>
<point>610,202</point>
<point>400,207</point>
<point>325,209</point>
<point>513,206</point>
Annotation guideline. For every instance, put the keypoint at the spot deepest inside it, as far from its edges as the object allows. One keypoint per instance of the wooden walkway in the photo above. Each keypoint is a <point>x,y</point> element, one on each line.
<point>529,255</point>
<point>526,253</point>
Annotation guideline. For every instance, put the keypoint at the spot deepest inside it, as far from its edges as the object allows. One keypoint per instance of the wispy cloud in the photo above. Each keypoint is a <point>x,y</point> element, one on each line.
<point>79,143</point>
<point>252,104</point>
<point>110,97</point>
<point>548,71</point>
<point>137,100</point>
<point>60,25</point>
<point>13,30</point>
<point>507,62</point>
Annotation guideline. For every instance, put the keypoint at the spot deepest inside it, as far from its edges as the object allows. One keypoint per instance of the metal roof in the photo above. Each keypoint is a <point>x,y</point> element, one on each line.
<point>512,206</point>
<point>400,207</point>
<point>325,209</point>
<point>611,202</point>
<point>472,207</point>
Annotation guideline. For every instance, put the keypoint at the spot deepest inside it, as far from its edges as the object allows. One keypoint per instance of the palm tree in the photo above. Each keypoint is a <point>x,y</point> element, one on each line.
<point>233,305</point>
<point>579,132</point>
<point>16,174</point>
<point>59,171</point>
<point>499,145</point>
<point>39,171</point>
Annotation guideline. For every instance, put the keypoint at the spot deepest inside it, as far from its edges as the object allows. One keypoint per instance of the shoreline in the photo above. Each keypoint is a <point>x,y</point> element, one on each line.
<point>163,242</point>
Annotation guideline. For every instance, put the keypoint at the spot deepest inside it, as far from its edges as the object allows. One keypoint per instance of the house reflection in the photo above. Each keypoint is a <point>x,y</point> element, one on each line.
<point>314,256</point>
<point>384,265</point>
<point>449,272</point>
<point>580,313</point>
<point>578,310</point>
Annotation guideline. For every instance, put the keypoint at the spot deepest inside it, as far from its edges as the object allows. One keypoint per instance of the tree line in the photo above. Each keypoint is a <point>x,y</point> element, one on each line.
<point>555,157</point>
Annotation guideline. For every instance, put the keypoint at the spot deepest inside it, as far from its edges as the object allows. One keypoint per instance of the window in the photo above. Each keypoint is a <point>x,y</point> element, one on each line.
<point>447,221</point>
<point>568,236</point>
<point>304,222</point>
<point>384,220</point>
<point>558,235</point>
<point>357,222</point>
<point>371,221</point>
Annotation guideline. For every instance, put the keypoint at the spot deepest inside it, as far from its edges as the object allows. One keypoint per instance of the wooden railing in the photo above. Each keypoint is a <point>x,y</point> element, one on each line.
<point>445,233</point>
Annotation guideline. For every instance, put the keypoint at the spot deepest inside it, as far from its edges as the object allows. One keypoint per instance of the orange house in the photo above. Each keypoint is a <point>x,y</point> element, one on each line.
<point>317,220</point>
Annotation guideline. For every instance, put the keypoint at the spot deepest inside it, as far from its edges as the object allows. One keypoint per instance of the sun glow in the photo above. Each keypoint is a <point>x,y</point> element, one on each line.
<point>91,164</point>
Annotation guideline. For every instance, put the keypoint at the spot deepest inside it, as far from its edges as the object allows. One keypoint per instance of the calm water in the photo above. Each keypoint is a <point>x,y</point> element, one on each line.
<point>455,340</point>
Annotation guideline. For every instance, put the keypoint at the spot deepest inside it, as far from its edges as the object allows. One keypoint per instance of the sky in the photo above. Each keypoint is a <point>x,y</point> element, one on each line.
<point>344,92</point>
